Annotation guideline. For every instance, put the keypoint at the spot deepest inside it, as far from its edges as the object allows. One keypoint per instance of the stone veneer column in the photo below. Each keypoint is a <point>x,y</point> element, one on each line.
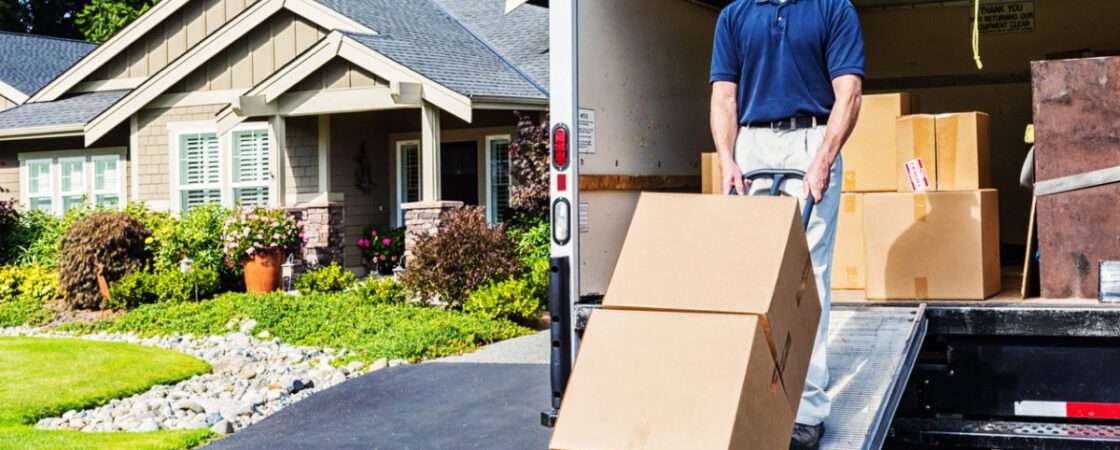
<point>423,219</point>
<point>324,229</point>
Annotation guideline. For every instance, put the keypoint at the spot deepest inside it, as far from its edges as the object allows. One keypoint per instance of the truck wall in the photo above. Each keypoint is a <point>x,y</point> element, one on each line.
<point>924,42</point>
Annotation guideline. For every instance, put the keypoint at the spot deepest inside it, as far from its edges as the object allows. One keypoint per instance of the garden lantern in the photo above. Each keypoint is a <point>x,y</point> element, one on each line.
<point>398,270</point>
<point>186,265</point>
<point>287,269</point>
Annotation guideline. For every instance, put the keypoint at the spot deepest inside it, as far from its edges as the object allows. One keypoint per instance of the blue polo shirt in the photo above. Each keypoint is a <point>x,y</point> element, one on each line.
<point>784,55</point>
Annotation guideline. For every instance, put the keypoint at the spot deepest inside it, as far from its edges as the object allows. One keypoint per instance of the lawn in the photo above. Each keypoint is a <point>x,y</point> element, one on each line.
<point>46,377</point>
<point>368,330</point>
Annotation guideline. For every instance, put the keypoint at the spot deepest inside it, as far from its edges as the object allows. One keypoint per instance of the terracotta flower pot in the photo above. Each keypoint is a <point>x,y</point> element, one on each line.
<point>262,272</point>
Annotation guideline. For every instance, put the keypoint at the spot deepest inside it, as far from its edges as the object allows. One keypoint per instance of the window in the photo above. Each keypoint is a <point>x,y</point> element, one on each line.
<point>60,181</point>
<point>499,176</point>
<point>250,167</point>
<point>106,181</point>
<point>73,183</point>
<point>199,170</point>
<point>40,196</point>
<point>408,161</point>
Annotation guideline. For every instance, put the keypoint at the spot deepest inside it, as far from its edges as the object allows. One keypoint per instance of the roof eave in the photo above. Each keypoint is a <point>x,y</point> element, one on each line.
<point>53,131</point>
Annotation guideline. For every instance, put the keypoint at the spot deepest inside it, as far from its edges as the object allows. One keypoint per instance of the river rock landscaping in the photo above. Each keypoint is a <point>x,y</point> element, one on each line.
<point>253,376</point>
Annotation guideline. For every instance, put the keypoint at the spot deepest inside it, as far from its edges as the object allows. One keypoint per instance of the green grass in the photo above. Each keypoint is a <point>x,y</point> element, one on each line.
<point>371,331</point>
<point>46,377</point>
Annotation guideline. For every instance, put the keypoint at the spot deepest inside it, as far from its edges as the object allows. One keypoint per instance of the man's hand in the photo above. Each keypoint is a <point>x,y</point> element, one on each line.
<point>845,111</point>
<point>817,178</point>
<point>732,178</point>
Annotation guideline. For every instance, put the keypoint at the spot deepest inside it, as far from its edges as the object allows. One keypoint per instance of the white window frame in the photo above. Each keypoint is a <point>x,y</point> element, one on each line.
<point>82,187</point>
<point>121,179</point>
<point>55,160</point>
<point>228,147</point>
<point>225,183</point>
<point>491,209</point>
<point>400,145</point>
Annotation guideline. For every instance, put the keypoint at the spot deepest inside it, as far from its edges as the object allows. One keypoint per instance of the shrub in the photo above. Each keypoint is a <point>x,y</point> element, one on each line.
<point>9,218</point>
<point>381,250</point>
<point>260,230</point>
<point>383,291</point>
<point>197,234</point>
<point>155,285</point>
<point>112,241</point>
<point>512,299</point>
<point>24,293</point>
<point>532,239</point>
<point>466,253</point>
<point>529,165</point>
<point>332,278</point>
<point>34,239</point>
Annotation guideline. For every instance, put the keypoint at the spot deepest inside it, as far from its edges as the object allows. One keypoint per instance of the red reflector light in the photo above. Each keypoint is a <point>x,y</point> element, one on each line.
<point>560,147</point>
<point>562,182</point>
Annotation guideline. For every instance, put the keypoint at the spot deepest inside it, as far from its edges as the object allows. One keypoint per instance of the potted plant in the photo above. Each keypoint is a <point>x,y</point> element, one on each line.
<point>381,251</point>
<point>260,239</point>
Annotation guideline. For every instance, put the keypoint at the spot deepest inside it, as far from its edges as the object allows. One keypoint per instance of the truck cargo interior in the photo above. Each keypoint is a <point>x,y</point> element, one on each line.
<point>972,353</point>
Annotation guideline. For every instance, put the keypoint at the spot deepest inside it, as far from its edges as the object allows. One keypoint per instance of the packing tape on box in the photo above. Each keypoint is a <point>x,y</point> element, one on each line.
<point>920,204</point>
<point>853,276</point>
<point>849,181</point>
<point>947,154</point>
<point>921,288</point>
<point>780,367</point>
<point>850,203</point>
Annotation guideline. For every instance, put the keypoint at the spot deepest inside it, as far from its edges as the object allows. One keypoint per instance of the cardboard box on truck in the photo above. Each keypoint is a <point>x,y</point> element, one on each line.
<point>653,379</point>
<point>963,152</point>
<point>934,245</point>
<point>870,163</point>
<point>724,254</point>
<point>848,265</point>
<point>710,173</point>
<point>916,137</point>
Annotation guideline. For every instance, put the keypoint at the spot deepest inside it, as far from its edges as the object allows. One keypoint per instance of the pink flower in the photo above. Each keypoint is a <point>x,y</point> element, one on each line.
<point>394,259</point>
<point>276,236</point>
<point>250,251</point>
<point>299,224</point>
<point>373,233</point>
<point>383,258</point>
<point>386,242</point>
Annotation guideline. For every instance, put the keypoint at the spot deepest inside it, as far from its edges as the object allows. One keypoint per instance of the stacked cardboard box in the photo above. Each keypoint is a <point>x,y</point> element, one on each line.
<point>707,330</point>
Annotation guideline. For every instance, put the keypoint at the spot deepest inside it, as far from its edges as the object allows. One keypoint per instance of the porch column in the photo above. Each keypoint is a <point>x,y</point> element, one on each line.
<point>277,146</point>
<point>325,156</point>
<point>429,153</point>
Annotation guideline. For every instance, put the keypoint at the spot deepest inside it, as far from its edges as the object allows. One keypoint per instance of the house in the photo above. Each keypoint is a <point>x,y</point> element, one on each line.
<point>30,62</point>
<point>346,112</point>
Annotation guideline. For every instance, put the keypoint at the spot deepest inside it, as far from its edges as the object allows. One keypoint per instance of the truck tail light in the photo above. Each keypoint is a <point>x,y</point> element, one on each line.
<point>561,221</point>
<point>560,146</point>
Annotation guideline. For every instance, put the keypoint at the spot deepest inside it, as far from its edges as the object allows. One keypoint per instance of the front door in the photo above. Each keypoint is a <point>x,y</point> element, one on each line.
<point>459,171</point>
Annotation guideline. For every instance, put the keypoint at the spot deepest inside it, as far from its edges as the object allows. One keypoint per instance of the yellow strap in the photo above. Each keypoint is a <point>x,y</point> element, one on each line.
<point>976,38</point>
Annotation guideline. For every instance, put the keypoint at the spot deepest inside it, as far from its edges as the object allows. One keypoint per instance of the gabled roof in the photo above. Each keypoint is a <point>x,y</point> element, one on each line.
<point>425,36</point>
<point>521,35</point>
<point>28,62</point>
<point>68,114</point>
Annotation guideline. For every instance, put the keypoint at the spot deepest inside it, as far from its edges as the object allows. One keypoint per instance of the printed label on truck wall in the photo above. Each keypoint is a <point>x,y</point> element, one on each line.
<point>586,130</point>
<point>1004,17</point>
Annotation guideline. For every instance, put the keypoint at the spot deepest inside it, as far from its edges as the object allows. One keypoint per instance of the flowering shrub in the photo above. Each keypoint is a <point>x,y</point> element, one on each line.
<point>381,251</point>
<point>260,231</point>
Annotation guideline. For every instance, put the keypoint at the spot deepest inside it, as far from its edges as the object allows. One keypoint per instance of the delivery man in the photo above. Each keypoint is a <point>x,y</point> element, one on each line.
<point>786,82</point>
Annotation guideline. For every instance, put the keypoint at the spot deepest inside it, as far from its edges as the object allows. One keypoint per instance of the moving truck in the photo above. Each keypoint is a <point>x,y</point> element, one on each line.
<point>629,113</point>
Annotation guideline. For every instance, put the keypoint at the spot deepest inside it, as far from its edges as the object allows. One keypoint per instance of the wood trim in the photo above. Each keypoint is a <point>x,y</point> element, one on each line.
<point>41,132</point>
<point>12,94</point>
<point>453,102</point>
<point>327,17</point>
<point>105,53</point>
<point>198,98</point>
<point>108,85</point>
<point>639,182</point>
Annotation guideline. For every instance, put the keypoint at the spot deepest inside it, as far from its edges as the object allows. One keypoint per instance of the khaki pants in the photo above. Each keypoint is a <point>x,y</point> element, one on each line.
<point>763,148</point>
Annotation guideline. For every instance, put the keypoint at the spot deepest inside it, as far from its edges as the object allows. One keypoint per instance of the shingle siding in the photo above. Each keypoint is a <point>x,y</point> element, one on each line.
<point>154,151</point>
<point>302,154</point>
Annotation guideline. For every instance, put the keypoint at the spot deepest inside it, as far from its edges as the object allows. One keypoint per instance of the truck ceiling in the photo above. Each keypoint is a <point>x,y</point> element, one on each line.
<point>860,4</point>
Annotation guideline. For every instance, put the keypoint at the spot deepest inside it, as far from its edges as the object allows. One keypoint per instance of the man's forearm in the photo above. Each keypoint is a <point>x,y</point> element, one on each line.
<point>724,119</point>
<point>845,111</point>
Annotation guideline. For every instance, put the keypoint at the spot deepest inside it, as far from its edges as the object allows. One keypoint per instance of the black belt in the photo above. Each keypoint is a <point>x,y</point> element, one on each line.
<point>792,123</point>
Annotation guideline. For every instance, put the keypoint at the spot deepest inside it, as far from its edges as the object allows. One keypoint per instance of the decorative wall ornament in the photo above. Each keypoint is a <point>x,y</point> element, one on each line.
<point>362,176</point>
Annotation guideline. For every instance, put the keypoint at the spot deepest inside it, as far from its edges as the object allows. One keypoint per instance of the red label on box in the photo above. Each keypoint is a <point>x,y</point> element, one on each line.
<point>916,172</point>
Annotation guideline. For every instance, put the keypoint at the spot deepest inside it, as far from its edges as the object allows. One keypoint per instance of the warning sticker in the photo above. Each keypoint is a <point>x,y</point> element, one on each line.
<point>1004,16</point>
<point>916,172</point>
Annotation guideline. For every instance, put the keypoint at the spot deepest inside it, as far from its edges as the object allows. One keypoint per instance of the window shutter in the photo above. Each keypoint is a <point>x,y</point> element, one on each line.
<point>411,169</point>
<point>199,159</point>
<point>499,179</point>
<point>250,156</point>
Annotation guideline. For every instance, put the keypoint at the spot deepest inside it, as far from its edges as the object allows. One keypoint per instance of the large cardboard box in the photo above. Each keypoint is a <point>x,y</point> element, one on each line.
<point>916,137</point>
<point>673,380</point>
<point>724,254</point>
<point>934,245</point>
<point>870,163</point>
<point>963,152</point>
<point>710,174</point>
<point>848,265</point>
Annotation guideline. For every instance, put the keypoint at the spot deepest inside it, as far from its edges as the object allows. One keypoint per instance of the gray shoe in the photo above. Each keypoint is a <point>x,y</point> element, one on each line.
<point>806,437</point>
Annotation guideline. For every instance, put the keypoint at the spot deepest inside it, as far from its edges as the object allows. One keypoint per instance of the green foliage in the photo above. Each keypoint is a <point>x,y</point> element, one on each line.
<point>154,285</point>
<point>9,219</point>
<point>381,291</point>
<point>24,293</point>
<point>467,253</point>
<point>344,320</point>
<point>512,299</point>
<point>41,17</point>
<point>381,250</point>
<point>109,244</point>
<point>258,231</point>
<point>332,278</point>
<point>99,20</point>
<point>198,235</point>
<point>532,238</point>
<point>93,373</point>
